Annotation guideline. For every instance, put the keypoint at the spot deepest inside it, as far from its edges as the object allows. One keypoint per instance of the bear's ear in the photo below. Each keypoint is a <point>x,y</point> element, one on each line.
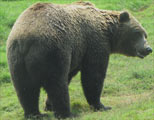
<point>124,17</point>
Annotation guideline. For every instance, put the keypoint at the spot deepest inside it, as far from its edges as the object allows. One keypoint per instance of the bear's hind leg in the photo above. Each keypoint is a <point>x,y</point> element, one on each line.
<point>56,85</point>
<point>27,88</point>
<point>27,92</point>
<point>48,103</point>
<point>58,93</point>
<point>29,97</point>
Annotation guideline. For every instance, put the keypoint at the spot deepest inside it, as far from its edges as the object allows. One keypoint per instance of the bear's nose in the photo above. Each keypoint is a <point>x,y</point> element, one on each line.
<point>149,49</point>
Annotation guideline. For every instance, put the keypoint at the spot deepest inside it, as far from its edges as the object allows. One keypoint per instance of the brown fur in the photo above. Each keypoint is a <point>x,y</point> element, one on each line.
<point>84,3</point>
<point>50,43</point>
<point>39,6</point>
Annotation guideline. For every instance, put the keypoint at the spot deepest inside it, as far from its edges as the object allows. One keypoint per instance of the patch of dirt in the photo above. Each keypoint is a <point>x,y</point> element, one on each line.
<point>119,101</point>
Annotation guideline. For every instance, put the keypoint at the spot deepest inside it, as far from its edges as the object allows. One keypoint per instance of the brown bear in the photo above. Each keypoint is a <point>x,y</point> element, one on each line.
<point>50,43</point>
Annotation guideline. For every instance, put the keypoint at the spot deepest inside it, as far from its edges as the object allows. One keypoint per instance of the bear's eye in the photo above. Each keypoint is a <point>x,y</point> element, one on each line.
<point>138,34</point>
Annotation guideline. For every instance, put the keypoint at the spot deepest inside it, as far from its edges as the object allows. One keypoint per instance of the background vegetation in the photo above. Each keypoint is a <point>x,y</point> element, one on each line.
<point>129,85</point>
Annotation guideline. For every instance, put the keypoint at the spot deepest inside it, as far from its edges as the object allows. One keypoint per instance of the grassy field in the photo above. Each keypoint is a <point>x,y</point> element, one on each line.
<point>129,84</point>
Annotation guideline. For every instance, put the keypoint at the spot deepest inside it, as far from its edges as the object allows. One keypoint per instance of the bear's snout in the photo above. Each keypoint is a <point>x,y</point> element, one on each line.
<point>149,50</point>
<point>146,51</point>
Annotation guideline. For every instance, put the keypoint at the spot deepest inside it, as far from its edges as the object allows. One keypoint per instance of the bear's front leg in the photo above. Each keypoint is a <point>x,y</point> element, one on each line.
<point>92,76</point>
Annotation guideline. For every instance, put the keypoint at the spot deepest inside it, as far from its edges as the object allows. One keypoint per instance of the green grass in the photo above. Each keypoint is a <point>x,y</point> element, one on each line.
<point>129,84</point>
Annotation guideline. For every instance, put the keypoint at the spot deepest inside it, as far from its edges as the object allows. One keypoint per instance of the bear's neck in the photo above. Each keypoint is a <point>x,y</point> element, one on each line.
<point>114,36</point>
<point>112,22</point>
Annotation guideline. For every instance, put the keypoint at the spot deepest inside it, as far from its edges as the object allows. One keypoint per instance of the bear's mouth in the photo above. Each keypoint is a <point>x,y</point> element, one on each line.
<point>140,55</point>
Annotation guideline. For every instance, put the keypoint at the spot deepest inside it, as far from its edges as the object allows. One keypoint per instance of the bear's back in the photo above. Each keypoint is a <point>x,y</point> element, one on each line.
<point>45,17</point>
<point>49,24</point>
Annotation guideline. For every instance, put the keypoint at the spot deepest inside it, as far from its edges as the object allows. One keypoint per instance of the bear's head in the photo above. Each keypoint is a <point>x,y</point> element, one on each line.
<point>131,40</point>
